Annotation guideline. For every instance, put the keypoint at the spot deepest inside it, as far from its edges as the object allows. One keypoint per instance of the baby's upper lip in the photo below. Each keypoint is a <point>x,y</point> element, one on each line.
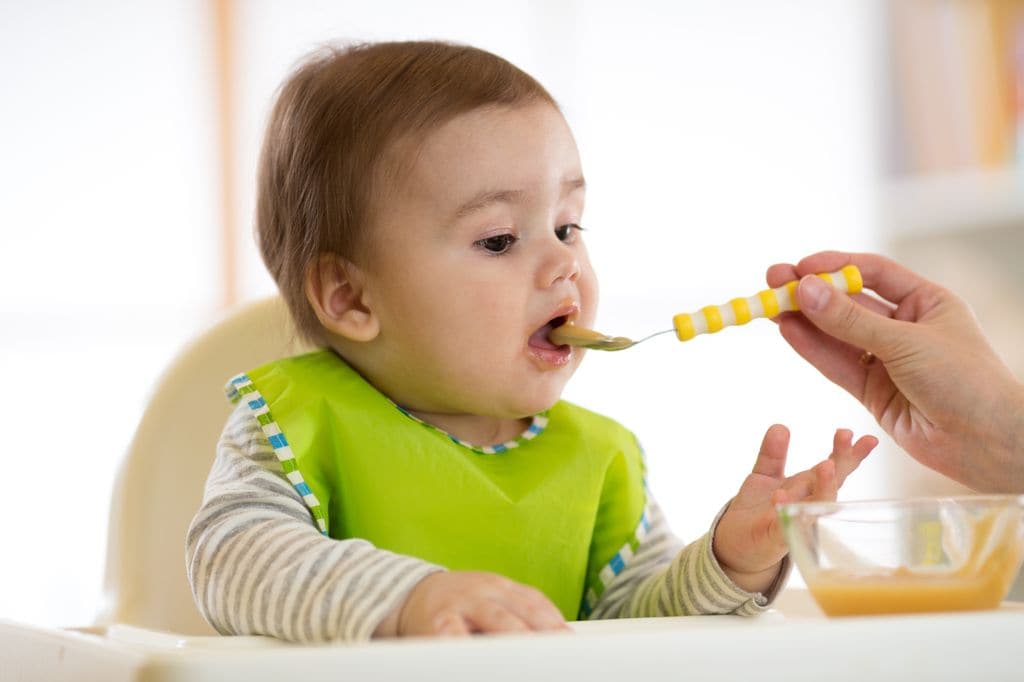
<point>570,311</point>
<point>565,312</point>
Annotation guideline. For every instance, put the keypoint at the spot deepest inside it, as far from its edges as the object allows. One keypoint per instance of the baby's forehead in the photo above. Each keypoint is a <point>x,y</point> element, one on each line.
<point>531,143</point>
<point>516,154</point>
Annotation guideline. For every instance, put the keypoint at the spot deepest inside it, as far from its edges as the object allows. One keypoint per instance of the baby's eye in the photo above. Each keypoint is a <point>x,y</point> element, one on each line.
<point>498,244</point>
<point>567,232</point>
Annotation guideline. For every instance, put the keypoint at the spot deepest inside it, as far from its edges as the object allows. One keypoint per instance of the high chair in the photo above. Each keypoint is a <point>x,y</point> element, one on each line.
<point>150,629</point>
<point>160,484</point>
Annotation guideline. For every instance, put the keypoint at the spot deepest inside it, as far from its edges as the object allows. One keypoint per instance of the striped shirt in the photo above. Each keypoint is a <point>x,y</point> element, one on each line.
<point>258,565</point>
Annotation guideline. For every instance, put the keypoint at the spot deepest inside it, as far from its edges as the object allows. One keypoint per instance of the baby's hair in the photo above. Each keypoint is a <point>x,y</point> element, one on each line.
<point>332,144</point>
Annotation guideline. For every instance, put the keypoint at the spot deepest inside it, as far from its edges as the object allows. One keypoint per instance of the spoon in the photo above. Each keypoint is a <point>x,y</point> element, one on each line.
<point>712,318</point>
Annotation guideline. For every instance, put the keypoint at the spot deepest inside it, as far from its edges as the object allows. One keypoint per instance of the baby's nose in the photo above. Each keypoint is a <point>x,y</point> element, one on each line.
<point>561,264</point>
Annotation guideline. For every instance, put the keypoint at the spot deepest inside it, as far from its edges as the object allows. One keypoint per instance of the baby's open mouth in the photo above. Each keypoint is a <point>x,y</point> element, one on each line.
<point>539,339</point>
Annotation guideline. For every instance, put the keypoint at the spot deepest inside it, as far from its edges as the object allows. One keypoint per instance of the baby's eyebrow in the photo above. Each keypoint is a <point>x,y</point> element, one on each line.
<point>510,196</point>
<point>489,197</point>
<point>572,184</point>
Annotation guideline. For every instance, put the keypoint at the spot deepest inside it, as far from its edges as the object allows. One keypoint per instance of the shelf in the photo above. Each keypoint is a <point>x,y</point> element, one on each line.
<point>929,204</point>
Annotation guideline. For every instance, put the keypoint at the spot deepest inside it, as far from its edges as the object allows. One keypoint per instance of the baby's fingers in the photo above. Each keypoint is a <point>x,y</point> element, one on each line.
<point>771,459</point>
<point>515,608</point>
<point>452,624</point>
<point>826,484</point>
<point>846,456</point>
<point>489,616</point>
<point>816,483</point>
<point>536,610</point>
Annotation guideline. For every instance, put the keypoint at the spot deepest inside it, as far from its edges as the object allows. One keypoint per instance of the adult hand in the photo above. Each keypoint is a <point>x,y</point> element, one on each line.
<point>935,384</point>
<point>468,602</point>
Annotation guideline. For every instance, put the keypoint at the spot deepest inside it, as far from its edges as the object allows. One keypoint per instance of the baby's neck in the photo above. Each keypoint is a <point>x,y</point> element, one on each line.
<point>475,429</point>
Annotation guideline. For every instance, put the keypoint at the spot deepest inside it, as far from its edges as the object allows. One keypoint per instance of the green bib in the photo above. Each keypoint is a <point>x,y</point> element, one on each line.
<point>561,508</point>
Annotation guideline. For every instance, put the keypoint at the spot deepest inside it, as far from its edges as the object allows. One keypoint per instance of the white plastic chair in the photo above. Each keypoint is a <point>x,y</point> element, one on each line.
<point>160,483</point>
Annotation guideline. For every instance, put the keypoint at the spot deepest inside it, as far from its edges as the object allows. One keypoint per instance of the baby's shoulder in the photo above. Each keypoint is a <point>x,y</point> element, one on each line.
<point>241,425</point>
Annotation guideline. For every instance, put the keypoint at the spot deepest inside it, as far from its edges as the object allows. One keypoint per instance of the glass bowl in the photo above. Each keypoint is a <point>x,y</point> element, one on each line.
<point>907,556</point>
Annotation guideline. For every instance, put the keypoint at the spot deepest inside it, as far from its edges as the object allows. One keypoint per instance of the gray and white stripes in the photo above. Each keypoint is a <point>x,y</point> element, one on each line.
<point>258,565</point>
<point>665,579</point>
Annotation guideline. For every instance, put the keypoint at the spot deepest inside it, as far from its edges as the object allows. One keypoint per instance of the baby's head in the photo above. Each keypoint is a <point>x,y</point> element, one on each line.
<point>418,205</point>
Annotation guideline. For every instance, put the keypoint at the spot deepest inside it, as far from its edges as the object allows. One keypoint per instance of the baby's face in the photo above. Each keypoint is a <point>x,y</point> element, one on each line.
<point>475,255</point>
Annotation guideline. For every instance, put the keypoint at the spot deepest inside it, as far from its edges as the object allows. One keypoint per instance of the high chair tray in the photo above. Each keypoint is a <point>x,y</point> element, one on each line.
<point>792,642</point>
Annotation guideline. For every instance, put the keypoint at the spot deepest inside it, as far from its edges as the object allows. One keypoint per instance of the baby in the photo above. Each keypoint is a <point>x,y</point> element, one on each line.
<point>420,207</point>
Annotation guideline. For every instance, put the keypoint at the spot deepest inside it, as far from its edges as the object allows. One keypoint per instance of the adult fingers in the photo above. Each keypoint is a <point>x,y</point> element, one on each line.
<point>837,315</point>
<point>882,275</point>
<point>783,273</point>
<point>780,273</point>
<point>875,305</point>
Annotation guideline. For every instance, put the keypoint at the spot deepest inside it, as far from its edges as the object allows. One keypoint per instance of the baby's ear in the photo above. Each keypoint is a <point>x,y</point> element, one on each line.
<point>335,289</point>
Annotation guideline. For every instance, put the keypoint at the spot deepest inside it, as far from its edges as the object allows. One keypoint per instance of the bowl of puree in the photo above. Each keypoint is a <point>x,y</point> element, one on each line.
<point>907,556</point>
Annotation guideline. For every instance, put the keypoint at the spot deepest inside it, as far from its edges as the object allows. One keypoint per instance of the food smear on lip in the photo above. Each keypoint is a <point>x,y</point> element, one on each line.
<point>981,584</point>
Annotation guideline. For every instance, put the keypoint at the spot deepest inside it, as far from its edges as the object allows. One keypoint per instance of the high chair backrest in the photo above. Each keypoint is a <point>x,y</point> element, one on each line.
<point>160,483</point>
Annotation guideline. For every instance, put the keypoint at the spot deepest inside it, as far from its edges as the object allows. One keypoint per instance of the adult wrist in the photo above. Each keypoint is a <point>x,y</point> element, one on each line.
<point>1015,439</point>
<point>998,458</point>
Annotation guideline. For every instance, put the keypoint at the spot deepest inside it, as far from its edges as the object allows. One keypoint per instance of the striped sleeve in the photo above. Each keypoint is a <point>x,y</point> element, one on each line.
<point>258,565</point>
<point>666,579</point>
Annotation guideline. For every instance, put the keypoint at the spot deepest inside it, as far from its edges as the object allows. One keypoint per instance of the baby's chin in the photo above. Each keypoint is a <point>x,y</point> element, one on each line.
<point>504,397</point>
<point>527,406</point>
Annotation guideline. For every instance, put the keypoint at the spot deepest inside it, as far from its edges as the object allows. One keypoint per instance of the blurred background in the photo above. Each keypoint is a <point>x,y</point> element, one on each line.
<point>718,137</point>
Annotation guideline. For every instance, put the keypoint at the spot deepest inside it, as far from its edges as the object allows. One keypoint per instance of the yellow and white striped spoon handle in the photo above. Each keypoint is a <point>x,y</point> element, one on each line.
<point>767,303</point>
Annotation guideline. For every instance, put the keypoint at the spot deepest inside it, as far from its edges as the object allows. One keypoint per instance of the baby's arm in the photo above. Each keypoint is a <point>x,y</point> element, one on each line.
<point>748,542</point>
<point>258,565</point>
<point>664,578</point>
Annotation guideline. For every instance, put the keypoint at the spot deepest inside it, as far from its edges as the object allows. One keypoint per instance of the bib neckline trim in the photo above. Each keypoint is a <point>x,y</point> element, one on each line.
<point>537,425</point>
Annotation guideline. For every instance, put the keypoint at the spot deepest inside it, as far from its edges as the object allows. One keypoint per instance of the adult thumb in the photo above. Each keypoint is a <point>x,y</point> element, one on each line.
<point>840,316</point>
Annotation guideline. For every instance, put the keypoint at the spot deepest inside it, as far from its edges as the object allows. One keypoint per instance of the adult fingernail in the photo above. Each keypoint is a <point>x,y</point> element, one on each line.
<point>815,293</point>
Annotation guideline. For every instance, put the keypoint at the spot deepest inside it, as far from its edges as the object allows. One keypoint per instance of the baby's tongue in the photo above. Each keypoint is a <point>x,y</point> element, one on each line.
<point>539,339</point>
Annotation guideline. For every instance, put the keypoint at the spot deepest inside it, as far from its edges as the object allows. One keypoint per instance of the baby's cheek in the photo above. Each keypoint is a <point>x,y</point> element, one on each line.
<point>589,294</point>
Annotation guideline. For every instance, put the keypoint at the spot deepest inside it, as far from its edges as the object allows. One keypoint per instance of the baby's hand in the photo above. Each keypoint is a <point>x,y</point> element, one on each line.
<point>465,602</point>
<point>748,541</point>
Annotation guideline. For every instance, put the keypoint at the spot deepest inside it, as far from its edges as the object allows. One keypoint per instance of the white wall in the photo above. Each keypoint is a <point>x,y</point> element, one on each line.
<point>717,138</point>
<point>107,226</point>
